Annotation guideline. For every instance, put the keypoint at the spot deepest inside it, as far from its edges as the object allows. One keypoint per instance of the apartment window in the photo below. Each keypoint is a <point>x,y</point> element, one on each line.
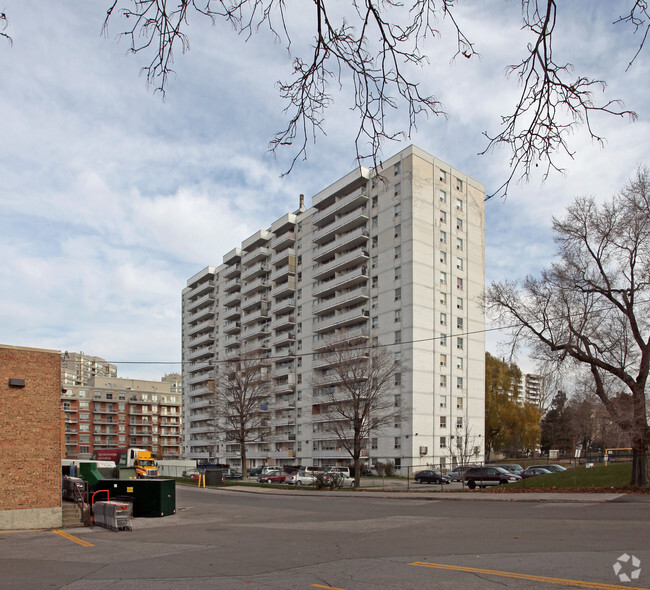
<point>459,284</point>
<point>459,362</point>
<point>374,261</point>
<point>459,204</point>
<point>398,251</point>
<point>398,273</point>
<point>443,421</point>
<point>398,168</point>
<point>443,217</point>
<point>374,242</point>
<point>443,339</point>
<point>84,450</point>
<point>443,237</point>
<point>443,318</point>
<point>398,336</point>
<point>121,396</point>
<point>109,395</point>
<point>459,244</point>
<point>375,281</point>
<point>459,422</point>
<point>459,323</point>
<point>375,221</point>
<point>84,427</point>
<point>443,277</point>
<point>398,378</point>
<point>98,395</point>
<point>459,382</point>
<point>459,263</point>
<point>443,442</point>
<point>459,184</point>
<point>83,393</point>
<point>443,401</point>
<point>398,230</point>
<point>375,322</point>
<point>443,176</point>
<point>398,315</point>
<point>459,403</point>
<point>443,381</point>
<point>459,303</point>
<point>398,189</point>
<point>398,400</point>
<point>84,417</point>
<point>459,224</point>
<point>459,343</point>
<point>398,210</point>
<point>398,356</point>
<point>398,294</point>
<point>443,298</point>
<point>374,201</point>
<point>443,196</point>
<point>443,257</point>
<point>373,443</point>
<point>443,360</point>
<point>374,302</point>
<point>398,442</point>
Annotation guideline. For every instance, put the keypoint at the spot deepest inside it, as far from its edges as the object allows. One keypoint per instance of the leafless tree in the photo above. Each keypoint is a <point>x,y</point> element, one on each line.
<point>591,308</point>
<point>371,46</point>
<point>358,387</point>
<point>464,449</point>
<point>243,388</point>
<point>4,23</point>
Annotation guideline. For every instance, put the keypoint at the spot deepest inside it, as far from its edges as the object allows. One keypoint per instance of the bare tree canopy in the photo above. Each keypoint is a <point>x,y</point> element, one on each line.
<point>359,390</point>
<point>591,309</point>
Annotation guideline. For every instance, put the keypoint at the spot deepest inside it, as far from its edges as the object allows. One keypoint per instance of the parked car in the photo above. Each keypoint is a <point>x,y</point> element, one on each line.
<point>339,479</point>
<point>344,470</point>
<point>488,476</point>
<point>303,478</point>
<point>533,471</point>
<point>457,473</point>
<point>430,476</point>
<point>191,474</point>
<point>273,477</point>
<point>552,468</point>
<point>233,474</point>
<point>511,467</point>
<point>256,471</point>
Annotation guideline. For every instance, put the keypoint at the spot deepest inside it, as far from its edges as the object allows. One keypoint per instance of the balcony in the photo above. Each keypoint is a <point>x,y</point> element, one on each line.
<point>200,352</point>
<point>259,284</point>
<point>255,316</point>
<point>343,281</point>
<point>257,300</point>
<point>232,327</point>
<point>347,299</point>
<point>207,299</point>
<point>283,271</point>
<point>256,331</point>
<point>356,237</point>
<point>233,284</point>
<point>232,313</point>
<point>282,240</point>
<point>285,288</point>
<point>207,326</point>
<point>350,202</point>
<point>200,288</point>
<point>200,314</point>
<point>231,299</point>
<point>284,305</point>
<point>283,371</point>
<point>345,223</point>
<point>255,255</point>
<point>285,338</point>
<point>343,262</point>
<point>231,271</point>
<point>255,270</point>
<point>283,321</point>
<point>204,338</point>
<point>351,336</point>
<point>283,257</point>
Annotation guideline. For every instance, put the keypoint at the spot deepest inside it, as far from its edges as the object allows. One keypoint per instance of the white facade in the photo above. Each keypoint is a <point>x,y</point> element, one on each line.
<point>395,257</point>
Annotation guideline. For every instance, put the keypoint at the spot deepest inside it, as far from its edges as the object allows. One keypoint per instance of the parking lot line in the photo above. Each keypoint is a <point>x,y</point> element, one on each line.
<point>530,578</point>
<point>72,538</point>
<point>327,587</point>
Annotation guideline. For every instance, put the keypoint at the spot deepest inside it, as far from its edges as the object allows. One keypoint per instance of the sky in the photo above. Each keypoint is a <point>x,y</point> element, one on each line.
<point>112,196</point>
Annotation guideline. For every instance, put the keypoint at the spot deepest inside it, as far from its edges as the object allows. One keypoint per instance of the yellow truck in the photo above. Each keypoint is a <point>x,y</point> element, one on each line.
<point>140,459</point>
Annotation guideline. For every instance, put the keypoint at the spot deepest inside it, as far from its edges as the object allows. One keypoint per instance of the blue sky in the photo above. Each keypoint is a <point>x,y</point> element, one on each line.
<point>111,198</point>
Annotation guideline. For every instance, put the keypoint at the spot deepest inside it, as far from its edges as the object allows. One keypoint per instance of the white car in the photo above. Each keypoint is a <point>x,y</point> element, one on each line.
<point>302,478</point>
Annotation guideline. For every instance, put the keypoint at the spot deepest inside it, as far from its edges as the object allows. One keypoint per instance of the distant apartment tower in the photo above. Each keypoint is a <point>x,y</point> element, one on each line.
<point>533,389</point>
<point>394,257</point>
<point>78,368</point>
<point>113,412</point>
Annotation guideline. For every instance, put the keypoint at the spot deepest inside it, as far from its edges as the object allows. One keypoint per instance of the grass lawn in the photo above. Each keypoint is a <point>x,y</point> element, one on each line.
<point>599,477</point>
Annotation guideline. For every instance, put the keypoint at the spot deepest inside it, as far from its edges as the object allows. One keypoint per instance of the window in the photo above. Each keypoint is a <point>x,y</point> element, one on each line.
<point>459,224</point>
<point>109,395</point>
<point>443,257</point>
<point>398,400</point>
<point>459,343</point>
<point>459,244</point>
<point>459,362</point>
<point>443,318</point>
<point>443,401</point>
<point>398,168</point>
<point>398,294</point>
<point>459,184</point>
<point>443,277</point>
<point>443,237</point>
<point>374,261</point>
<point>443,298</point>
<point>375,322</point>
<point>459,382</point>
<point>443,380</point>
<point>459,284</point>
<point>398,336</point>
<point>374,201</point>
<point>398,210</point>
<point>374,242</point>
<point>443,176</point>
<point>398,230</point>
<point>443,196</point>
<point>459,422</point>
<point>374,303</point>
<point>459,303</point>
<point>459,263</point>
<point>443,421</point>
<point>459,204</point>
<point>375,221</point>
<point>84,427</point>
<point>98,395</point>
<point>375,281</point>
<point>443,442</point>
<point>398,356</point>
<point>84,417</point>
<point>398,189</point>
<point>373,443</point>
<point>398,378</point>
<point>398,273</point>
<point>398,315</point>
<point>443,339</point>
<point>443,217</point>
<point>398,251</point>
<point>398,442</point>
<point>459,403</point>
<point>459,323</point>
<point>443,360</point>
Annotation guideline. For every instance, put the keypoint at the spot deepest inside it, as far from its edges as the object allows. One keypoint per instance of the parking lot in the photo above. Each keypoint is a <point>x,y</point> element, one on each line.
<point>228,539</point>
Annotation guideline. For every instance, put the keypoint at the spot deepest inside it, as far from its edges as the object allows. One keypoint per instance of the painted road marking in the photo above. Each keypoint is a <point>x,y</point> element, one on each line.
<point>327,587</point>
<point>72,538</point>
<point>530,578</point>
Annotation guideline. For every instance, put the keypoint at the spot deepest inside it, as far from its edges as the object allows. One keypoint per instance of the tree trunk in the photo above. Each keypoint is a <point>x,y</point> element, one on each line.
<point>640,464</point>
<point>356,458</point>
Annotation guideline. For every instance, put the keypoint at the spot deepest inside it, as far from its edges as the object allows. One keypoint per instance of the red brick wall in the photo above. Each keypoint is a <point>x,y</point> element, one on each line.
<point>30,428</point>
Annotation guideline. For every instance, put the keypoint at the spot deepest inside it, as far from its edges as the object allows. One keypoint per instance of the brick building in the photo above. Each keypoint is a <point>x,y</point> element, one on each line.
<point>30,437</point>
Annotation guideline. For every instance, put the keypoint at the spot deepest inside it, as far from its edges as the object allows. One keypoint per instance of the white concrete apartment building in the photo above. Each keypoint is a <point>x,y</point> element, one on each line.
<point>395,257</point>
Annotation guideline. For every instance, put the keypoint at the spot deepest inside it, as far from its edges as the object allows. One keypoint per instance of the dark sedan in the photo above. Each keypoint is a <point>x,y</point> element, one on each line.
<point>430,476</point>
<point>533,472</point>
